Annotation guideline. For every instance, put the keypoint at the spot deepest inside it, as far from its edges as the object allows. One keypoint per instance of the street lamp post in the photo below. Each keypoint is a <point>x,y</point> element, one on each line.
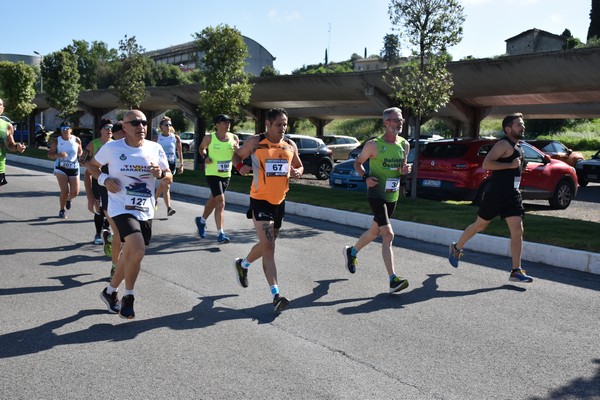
<point>41,85</point>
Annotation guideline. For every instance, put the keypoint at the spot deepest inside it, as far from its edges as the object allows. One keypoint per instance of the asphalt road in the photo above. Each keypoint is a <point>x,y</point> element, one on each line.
<point>462,333</point>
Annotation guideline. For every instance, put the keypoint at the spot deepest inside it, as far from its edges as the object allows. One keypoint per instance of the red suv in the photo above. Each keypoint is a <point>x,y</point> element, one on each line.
<point>452,169</point>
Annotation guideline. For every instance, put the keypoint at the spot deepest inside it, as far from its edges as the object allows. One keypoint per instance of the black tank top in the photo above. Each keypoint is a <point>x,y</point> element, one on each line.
<point>503,180</point>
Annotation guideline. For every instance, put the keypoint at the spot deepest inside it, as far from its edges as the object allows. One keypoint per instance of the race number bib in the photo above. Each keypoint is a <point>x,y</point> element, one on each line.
<point>67,164</point>
<point>277,168</point>
<point>138,203</point>
<point>223,166</point>
<point>392,184</point>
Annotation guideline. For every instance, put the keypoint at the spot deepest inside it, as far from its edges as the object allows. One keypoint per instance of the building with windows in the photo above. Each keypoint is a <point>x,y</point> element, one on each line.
<point>187,56</point>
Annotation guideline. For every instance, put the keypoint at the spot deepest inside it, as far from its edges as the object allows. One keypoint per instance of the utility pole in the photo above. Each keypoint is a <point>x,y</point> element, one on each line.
<point>41,85</point>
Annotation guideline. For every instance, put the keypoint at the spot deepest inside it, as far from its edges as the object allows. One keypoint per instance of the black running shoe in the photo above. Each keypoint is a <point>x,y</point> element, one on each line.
<point>241,273</point>
<point>170,212</point>
<point>111,301</point>
<point>351,261</point>
<point>62,214</point>
<point>126,310</point>
<point>280,303</point>
<point>398,284</point>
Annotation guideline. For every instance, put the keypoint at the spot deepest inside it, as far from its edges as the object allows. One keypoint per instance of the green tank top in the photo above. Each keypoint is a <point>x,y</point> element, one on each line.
<point>96,144</point>
<point>386,167</point>
<point>3,135</point>
<point>220,153</point>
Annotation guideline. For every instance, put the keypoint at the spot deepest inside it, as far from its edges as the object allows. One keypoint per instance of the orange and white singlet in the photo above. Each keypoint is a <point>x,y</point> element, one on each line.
<point>271,164</point>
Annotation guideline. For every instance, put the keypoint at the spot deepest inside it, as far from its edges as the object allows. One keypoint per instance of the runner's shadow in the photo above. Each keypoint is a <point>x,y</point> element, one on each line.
<point>59,249</point>
<point>206,313</point>
<point>428,291</point>
<point>66,282</point>
<point>579,388</point>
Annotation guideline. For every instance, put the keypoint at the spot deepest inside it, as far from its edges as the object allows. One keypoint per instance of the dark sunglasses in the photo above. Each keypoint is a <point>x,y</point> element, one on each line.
<point>65,128</point>
<point>107,127</point>
<point>137,122</point>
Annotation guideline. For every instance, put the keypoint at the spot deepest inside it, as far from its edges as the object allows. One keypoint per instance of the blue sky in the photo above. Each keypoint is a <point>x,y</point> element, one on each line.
<point>295,32</point>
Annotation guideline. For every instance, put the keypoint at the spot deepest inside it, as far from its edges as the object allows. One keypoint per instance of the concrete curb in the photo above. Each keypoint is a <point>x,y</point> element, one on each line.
<point>579,260</point>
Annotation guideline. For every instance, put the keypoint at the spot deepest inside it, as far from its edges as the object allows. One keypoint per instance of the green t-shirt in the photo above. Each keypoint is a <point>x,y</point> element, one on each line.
<point>387,168</point>
<point>3,135</point>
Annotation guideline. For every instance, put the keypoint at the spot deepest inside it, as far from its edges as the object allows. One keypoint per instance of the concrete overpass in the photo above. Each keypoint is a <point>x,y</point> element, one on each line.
<point>563,84</point>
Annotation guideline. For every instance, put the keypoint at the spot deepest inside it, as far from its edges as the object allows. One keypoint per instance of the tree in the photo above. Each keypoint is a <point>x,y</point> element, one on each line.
<point>269,71</point>
<point>570,41</point>
<point>61,82</point>
<point>131,72</point>
<point>91,59</point>
<point>594,29</point>
<point>17,85</point>
<point>391,49</point>
<point>226,86</point>
<point>423,85</point>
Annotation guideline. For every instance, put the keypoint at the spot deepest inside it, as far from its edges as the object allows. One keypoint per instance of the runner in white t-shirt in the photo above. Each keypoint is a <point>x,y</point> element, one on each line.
<point>134,164</point>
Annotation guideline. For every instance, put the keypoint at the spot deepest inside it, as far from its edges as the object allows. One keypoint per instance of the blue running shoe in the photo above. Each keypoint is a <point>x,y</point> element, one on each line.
<point>520,275</point>
<point>201,228</point>
<point>223,238</point>
<point>454,255</point>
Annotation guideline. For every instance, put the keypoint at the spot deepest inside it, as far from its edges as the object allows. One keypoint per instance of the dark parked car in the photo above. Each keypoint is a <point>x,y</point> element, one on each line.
<point>452,169</point>
<point>243,136</point>
<point>589,170</point>
<point>315,156</point>
<point>558,151</point>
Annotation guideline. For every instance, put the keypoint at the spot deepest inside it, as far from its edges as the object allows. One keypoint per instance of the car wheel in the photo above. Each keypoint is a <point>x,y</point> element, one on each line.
<point>562,195</point>
<point>324,169</point>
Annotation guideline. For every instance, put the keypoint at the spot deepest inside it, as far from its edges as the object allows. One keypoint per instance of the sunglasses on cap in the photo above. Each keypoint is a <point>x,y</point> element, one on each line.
<point>137,122</point>
<point>107,127</point>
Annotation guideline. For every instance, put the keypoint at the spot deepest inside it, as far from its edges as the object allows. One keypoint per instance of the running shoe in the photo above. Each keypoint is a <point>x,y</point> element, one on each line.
<point>201,227</point>
<point>241,273</point>
<point>107,240</point>
<point>126,310</point>
<point>280,303</point>
<point>97,239</point>
<point>62,214</point>
<point>520,275</point>
<point>170,212</point>
<point>223,238</point>
<point>351,261</point>
<point>398,284</point>
<point>68,205</point>
<point>111,301</point>
<point>454,255</point>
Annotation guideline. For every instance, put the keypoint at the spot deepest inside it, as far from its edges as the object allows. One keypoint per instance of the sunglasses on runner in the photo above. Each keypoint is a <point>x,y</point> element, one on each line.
<point>107,127</point>
<point>137,122</point>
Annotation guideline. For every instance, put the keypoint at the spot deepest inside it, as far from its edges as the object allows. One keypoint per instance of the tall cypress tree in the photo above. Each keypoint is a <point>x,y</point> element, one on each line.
<point>594,30</point>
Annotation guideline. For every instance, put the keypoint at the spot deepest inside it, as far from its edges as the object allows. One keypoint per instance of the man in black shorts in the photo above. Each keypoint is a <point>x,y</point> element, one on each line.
<point>502,196</point>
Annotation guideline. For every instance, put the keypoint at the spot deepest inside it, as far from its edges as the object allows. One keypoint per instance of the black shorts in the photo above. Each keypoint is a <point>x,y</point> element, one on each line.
<point>100,193</point>
<point>264,211</point>
<point>217,184</point>
<point>503,204</point>
<point>68,171</point>
<point>128,224</point>
<point>382,210</point>
<point>172,167</point>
